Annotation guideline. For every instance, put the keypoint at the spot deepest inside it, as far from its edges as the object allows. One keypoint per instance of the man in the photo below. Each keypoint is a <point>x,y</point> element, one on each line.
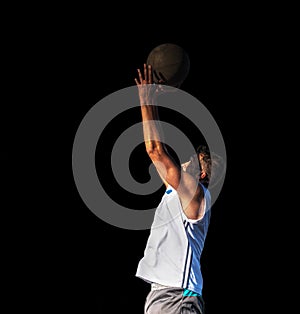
<point>171,261</point>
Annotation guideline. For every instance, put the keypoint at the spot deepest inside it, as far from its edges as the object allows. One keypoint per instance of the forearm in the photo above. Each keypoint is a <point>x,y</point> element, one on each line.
<point>153,134</point>
<point>152,130</point>
<point>148,92</point>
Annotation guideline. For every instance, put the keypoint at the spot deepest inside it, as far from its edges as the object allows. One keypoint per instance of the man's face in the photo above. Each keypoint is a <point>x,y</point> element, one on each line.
<point>192,166</point>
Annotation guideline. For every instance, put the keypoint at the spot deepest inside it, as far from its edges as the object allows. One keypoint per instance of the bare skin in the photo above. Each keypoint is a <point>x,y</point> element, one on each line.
<point>187,186</point>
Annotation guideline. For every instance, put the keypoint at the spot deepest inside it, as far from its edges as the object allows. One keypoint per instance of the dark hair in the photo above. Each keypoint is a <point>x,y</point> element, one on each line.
<point>212,164</point>
<point>205,163</point>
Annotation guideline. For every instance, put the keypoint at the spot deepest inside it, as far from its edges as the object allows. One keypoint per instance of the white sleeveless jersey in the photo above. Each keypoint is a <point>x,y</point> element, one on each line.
<point>174,247</point>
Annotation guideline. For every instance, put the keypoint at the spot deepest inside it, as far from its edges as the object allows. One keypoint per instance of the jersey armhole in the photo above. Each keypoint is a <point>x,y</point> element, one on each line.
<point>193,221</point>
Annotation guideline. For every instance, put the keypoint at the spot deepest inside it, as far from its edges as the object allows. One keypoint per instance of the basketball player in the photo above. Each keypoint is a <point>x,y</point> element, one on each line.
<point>171,261</point>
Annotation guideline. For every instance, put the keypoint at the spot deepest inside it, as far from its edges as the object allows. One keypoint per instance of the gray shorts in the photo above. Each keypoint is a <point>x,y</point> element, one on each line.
<point>171,301</point>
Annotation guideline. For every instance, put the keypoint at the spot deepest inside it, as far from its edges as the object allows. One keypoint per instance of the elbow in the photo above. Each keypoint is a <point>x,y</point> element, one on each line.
<point>155,152</point>
<point>151,151</point>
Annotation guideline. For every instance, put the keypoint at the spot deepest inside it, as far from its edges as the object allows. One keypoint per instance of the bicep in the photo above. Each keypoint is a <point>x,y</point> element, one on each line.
<point>163,179</point>
<point>167,168</point>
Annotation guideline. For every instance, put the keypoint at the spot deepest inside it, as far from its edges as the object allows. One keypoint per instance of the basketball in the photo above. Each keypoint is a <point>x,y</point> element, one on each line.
<point>171,62</point>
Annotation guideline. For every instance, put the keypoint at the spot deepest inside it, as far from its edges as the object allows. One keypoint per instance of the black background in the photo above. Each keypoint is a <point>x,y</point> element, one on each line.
<point>85,264</point>
<point>98,261</point>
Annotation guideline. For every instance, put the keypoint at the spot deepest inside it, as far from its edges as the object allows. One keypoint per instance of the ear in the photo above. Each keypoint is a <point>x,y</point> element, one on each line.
<point>202,174</point>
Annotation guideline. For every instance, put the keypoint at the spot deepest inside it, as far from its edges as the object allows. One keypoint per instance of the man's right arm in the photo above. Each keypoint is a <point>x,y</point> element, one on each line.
<point>188,189</point>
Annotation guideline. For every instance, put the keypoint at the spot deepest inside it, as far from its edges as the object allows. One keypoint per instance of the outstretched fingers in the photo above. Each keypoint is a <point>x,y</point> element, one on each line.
<point>140,77</point>
<point>145,74</point>
<point>148,75</point>
<point>162,79</point>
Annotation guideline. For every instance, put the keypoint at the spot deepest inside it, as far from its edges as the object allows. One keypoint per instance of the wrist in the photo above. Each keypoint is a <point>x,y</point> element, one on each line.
<point>148,104</point>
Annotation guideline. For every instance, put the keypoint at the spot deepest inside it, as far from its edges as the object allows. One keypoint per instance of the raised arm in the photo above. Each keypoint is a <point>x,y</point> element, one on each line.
<point>189,191</point>
<point>168,170</point>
